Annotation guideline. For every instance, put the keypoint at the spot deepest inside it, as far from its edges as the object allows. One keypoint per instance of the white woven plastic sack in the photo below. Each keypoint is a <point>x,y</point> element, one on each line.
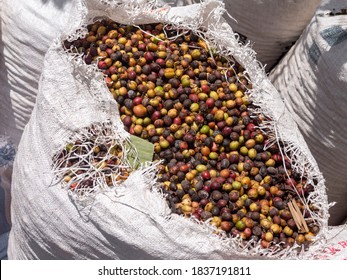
<point>271,25</point>
<point>132,221</point>
<point>336,248</point>
<point>312,80</point>
<point>27,30</point>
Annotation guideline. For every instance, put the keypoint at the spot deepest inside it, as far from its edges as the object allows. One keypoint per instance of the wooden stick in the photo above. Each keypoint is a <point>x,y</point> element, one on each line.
<point>295,216</point>
<point>298,217</point>
<point>303,222</point>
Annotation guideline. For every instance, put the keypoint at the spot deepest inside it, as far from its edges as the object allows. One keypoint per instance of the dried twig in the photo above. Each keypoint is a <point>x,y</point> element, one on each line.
<point>298,217</point>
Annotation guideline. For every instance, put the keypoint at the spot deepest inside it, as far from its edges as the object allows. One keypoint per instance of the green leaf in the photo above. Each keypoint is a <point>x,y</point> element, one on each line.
<point>144,149</point>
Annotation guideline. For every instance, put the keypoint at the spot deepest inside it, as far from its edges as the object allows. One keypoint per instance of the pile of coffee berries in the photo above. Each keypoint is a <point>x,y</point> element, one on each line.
<point>193,106</point>
<point>92,160</point>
